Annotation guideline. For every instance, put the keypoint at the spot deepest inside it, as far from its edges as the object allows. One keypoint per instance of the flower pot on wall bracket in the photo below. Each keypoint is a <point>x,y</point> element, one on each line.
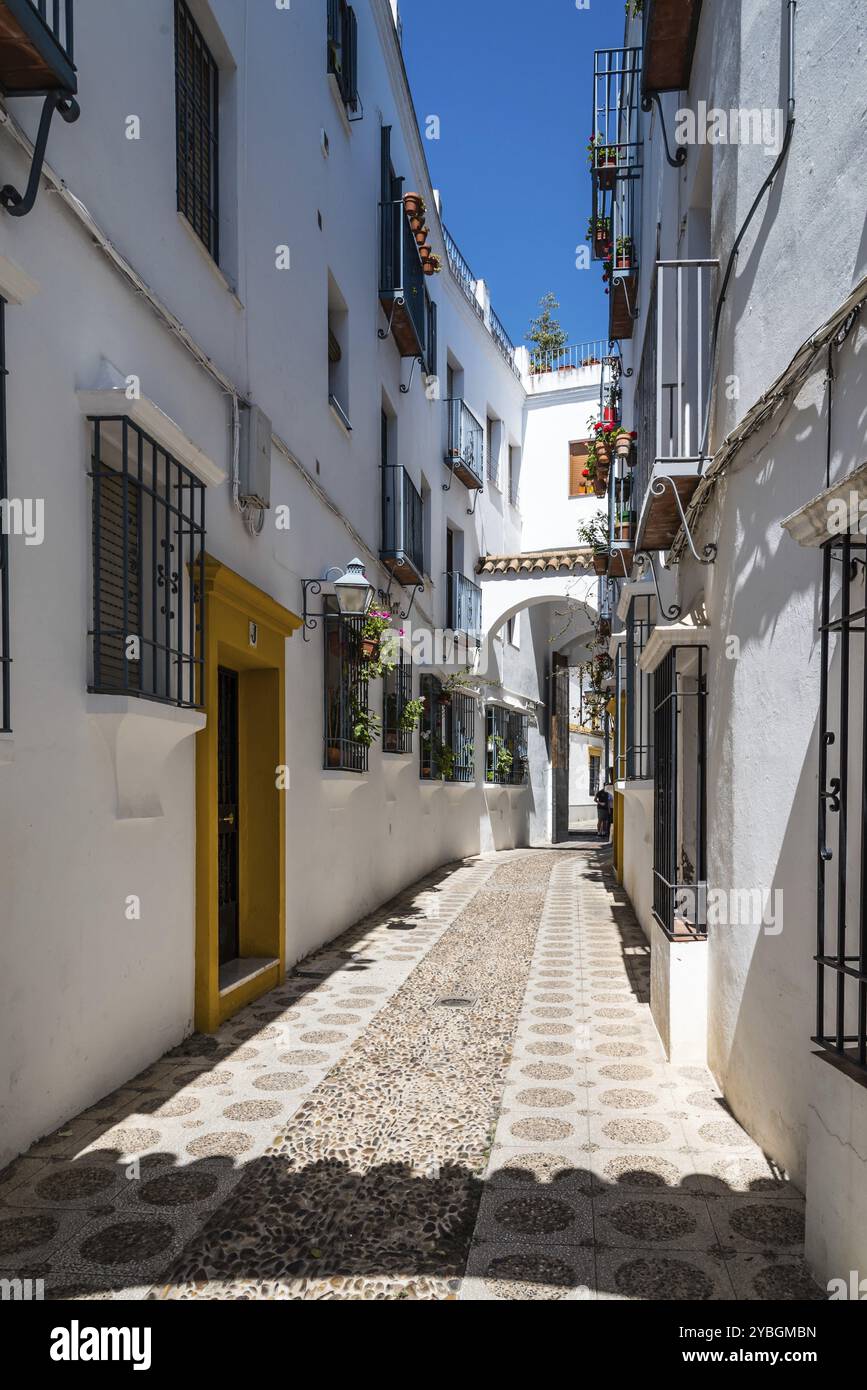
<point>414,205</point>
<point>600,561</point>
<point>421,234</point>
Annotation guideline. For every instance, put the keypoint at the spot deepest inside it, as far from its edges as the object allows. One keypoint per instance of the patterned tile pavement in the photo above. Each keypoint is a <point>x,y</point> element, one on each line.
<point>461,1097</point>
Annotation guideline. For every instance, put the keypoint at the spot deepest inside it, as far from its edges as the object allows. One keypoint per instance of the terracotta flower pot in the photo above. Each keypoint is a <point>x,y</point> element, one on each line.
<point>333,755</point>
<point>425,252</point>
<point>432,266</point>
<point>623,446</point>
<point>600,561</point>
<point>414,204</point>
<point>602,453</point>
<point>599,487</point>
<point>421,235</point>
<point>369,647</point>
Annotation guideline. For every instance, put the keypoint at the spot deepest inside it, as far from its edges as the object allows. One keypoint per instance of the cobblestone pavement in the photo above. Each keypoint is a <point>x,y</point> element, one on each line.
<point>462,1097</point>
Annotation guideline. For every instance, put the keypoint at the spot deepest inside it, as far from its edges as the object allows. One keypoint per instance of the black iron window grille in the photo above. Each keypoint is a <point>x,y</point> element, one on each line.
<point>679,794</point>
<point>343,51</point>
<point>148,514</point>
<point>594,778</point>
<point>620,683</point>
<point>447,742</point>
<point>506,737</point>
<point>841,949</point>
<point>639,717</point>
<point>396,695</point>
<point>462,737</point>
<point>464,606</point>
<point>5,654</point>
<point>197,91</point>
<point>466,444</point>
<point>348,731</point>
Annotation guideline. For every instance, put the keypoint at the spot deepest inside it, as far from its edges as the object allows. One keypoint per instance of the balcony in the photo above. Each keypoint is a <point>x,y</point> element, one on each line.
<point>672,400</point>
<point>670,29</point>
<point>463,606</point>
<point>36,48</point>
<point>465,452</point>
<point>402,290</point>
<point>402,550</point>
<point>615,149</point>
<point>622,215</point>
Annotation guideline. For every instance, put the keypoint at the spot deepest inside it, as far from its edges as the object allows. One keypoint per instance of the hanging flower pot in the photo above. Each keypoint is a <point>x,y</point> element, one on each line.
<point>600,561</point>
<point>603,453</point>
<point>623,445</point>
<point>425,252</point>
<point>416,224</point>
<point>369,647</point>
<point>432,265</point>
<point>609,414</point>
<point>414,205</point>
<point>421,234</point>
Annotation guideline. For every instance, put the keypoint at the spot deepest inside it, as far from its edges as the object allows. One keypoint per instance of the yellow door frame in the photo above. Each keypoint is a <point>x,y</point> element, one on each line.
<point>246,630</point>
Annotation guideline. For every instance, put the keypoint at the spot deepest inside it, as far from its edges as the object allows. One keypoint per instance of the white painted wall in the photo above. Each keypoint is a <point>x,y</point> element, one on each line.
<point>89,998</point>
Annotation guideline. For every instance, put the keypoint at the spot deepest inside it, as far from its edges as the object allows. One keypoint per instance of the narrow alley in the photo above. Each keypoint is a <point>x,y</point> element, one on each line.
<point>463,1097</point>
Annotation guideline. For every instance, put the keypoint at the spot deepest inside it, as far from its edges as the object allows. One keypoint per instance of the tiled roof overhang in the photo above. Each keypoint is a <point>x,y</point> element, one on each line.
<point>537,562</point>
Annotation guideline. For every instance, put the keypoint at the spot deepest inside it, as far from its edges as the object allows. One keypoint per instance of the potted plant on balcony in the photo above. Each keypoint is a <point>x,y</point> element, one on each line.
<point>594,533</point>
<point>432,265</point>
<point>603,444</point>
<point>623,442</point>
<point>366,725</point>
<point>623,526</point>
<point>624,253</point>
<point>411,715</point>
<point>505,759</point>
<point>414,205</point>
<point>377,622</point>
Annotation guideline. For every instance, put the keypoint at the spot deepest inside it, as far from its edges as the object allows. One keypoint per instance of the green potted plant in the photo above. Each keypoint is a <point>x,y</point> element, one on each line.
<point>444,761</point>
<point>366,725</point>
<point>594,533</point>
<point>624,253</point>
<point>376,623</point>
<point>411,715</point>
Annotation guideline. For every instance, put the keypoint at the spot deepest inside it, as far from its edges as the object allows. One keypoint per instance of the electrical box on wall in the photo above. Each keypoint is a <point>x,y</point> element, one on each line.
<point>255,461</point>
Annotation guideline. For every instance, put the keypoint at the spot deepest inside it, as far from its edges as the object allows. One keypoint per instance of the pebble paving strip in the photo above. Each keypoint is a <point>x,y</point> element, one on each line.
<point>372,1190</point>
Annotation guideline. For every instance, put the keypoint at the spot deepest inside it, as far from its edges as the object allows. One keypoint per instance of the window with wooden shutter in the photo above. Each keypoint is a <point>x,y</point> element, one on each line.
<point>579,486</point>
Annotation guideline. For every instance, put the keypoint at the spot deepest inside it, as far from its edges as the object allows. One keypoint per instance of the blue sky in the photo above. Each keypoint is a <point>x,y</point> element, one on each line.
<point>511,81</point>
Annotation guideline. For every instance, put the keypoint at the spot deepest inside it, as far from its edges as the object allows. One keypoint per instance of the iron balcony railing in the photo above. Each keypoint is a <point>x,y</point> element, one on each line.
<point>462,273</point>
<point>674,385</point>
<point>402,523</point>
<point>464,605</point>
<point>570,358</point>
<point>502,340</point>
<point>466,444</point>
<point>38,55</point>
<point>616,142</point>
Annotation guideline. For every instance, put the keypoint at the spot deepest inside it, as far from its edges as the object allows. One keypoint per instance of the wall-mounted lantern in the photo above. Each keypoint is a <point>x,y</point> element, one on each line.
<point>352,590</point>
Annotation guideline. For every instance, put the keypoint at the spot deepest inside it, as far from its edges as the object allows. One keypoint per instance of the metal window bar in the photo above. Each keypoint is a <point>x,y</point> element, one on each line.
<point>616,132</point>
<point>346,694</point>
<point>148,517</point>
<point>466,440</point>
<point>639,747</point>
<point>197,90</point>
<point>679,799</point>
<point>841,929</point>
<point>620,687</point>
<point>506,731</point>
<point>464,608</point>
<point>616,222</point>
<point>5,652</point>
<point>645,411</point>
<point>432,730</point>
<point>396,695</point>
<point>343,50</point>
<point>402,518</point>
<point>461,724</point>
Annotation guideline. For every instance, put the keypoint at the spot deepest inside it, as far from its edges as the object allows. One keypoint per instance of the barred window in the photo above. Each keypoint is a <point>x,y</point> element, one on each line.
<point>447,743</point>
<point>396,695</point>
<point>506,735</point>
<point>148,518</point>
<point>197,90</point>
<point>347,716</point>
<point>343,50</point>
<point>680,792</point>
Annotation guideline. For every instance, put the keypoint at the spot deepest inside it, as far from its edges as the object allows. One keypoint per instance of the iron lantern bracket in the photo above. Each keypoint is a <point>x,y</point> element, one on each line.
<point>310,619</point>
<point>18,204</point>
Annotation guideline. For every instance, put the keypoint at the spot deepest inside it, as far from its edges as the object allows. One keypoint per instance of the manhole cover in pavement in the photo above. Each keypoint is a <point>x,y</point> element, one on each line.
<point>455,1002</point>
